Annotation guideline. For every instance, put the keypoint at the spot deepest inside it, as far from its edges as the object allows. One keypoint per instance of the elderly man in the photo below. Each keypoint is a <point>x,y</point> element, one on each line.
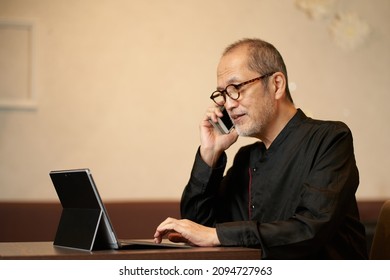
<point>292,193</point>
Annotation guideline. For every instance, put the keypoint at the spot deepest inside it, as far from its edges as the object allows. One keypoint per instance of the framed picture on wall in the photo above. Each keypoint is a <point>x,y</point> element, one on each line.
<point>17,64</point>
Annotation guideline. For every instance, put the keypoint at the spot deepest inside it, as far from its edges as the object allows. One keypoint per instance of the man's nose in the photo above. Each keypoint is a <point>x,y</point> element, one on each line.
<point>230,103</point>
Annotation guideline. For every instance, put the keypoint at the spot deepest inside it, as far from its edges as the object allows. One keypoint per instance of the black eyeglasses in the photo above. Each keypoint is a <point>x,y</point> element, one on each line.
<point>233,90</point>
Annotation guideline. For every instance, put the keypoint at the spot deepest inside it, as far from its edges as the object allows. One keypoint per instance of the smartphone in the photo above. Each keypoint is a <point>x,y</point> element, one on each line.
<point>224,124</point>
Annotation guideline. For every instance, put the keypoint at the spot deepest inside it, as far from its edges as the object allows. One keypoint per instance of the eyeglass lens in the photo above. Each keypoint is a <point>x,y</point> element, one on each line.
<point>220,97</point>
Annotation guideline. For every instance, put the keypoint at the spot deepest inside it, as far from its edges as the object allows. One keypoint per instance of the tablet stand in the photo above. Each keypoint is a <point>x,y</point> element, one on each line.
<point>78,228</point>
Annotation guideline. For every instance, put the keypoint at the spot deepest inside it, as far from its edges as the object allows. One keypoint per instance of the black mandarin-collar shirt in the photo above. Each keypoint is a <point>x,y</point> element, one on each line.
<point>294,200</point>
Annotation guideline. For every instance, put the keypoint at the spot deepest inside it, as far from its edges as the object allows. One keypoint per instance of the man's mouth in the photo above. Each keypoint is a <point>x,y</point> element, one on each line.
<point>237,117</point>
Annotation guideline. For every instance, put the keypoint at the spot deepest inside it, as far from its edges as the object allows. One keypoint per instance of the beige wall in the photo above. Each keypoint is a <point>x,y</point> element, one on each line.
<point>122,85</point>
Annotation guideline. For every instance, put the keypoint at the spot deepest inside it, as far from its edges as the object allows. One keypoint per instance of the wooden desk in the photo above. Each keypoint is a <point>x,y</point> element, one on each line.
<point>46,251</point>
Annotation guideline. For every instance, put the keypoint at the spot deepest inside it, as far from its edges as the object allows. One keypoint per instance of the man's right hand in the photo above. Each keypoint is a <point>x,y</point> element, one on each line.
<point>213,142</point>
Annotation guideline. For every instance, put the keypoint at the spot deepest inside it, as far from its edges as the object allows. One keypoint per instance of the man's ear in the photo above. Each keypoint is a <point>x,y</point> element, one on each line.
<point>279,85</point>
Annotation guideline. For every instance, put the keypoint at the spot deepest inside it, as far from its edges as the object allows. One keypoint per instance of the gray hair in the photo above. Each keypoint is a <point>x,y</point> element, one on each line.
<point>263,58</point>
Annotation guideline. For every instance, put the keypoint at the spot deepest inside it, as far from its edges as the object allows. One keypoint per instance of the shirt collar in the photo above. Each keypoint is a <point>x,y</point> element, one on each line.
<point>296,120</point>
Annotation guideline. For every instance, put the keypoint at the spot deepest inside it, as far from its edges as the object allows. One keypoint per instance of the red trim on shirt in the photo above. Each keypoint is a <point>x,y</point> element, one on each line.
<point>249,194</point>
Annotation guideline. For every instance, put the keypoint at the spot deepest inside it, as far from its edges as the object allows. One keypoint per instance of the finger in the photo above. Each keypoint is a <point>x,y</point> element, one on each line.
<point>166,227</point>
<point>161,230</point>
<point>176,237</point>
<point>213,113</point>
<point>167,224</point>
<point>159,235</point>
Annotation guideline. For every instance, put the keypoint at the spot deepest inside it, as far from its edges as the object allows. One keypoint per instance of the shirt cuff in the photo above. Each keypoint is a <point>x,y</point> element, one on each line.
<point>202,172</point>
<point>243,233</point>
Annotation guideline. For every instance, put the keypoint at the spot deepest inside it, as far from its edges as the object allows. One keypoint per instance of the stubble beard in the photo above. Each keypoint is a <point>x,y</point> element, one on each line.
<point>256,127</point>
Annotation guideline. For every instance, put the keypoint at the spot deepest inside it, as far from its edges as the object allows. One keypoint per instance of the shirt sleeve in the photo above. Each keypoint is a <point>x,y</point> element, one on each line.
<point>198,199</point>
